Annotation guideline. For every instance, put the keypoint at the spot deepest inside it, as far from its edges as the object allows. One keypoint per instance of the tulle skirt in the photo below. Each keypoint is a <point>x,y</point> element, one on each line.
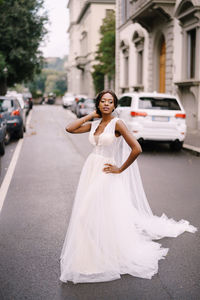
<point>106,236</point>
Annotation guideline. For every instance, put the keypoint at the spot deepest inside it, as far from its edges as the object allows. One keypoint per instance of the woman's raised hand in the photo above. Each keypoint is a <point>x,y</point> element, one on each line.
<point>95,114</point>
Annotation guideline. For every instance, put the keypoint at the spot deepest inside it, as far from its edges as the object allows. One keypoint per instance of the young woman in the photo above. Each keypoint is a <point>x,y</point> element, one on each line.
<point>112,227</point>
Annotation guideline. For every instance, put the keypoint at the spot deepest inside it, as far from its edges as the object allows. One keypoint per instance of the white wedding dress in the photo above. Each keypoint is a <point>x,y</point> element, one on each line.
<point>112,226</point>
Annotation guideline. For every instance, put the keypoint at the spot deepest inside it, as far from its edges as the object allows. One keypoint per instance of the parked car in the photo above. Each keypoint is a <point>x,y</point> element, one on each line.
<point>2,134</point>
<point>76,101</point>
<point>67,100</point>
<point>85,107</point>
<point>51,98</point>
<point>154,117</point>
<point>12,114</point>
<point>24,105</point>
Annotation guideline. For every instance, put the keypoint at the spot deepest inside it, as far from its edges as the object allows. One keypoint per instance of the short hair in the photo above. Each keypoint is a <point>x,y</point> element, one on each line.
<point>100,95</point>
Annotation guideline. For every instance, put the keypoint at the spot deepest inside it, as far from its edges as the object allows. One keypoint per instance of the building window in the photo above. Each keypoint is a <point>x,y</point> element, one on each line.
<point>138,40</point>
<point>125,50</point>
<point>191,51</point>
<point>126,70</point>
<point>125,9</point>
<point>140,67</point>
<point>84,43</point>
<point>109,11</point>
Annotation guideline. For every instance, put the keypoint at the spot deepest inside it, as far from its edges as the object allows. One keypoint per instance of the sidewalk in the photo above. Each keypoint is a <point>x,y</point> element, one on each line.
<point>192,141</point>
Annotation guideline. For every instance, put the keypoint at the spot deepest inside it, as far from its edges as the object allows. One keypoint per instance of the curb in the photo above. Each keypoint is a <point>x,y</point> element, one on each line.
<point>194,150</point>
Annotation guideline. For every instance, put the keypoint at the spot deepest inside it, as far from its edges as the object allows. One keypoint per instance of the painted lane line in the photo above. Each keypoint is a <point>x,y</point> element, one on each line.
<point>9,174</point>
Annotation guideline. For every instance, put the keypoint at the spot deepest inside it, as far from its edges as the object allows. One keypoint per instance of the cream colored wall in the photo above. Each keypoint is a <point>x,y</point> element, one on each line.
<point>90,22</point>
<point>98,13</point>
<point>177,52</point>
<point>126,33</point>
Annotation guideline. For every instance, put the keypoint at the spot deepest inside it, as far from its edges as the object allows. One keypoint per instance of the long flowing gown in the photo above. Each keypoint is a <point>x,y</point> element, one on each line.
<point>112,227</point>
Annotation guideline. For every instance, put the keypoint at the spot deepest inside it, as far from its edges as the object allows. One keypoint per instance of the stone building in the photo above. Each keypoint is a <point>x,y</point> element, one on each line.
<point>158,49</point>
<point>85,20</point>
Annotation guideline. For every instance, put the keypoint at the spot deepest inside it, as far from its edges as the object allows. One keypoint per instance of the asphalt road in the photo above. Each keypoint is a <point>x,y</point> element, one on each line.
<point>36,212</point>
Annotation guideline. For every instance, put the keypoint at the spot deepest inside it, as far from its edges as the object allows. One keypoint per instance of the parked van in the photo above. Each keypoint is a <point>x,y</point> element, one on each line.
<point>154,117</point>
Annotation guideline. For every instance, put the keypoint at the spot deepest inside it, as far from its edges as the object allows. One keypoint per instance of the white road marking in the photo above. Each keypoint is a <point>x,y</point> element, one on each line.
<point>9,174</point>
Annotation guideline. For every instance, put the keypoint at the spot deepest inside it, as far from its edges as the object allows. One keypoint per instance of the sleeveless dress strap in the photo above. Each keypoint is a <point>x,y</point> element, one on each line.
<point>112,125</point>
<point>94,125</point>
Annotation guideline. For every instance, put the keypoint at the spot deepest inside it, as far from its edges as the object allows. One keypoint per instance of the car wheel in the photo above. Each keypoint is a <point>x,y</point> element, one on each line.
<point>2,148</point>
<point>20,133</point>
<point>7,138</point>
<point>176,145</point>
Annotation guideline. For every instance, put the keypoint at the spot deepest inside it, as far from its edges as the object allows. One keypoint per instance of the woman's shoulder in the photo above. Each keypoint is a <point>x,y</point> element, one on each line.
<point>119,121</point>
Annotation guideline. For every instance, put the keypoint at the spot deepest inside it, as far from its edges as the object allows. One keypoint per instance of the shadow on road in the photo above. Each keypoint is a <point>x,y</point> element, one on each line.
<point>161,148</point>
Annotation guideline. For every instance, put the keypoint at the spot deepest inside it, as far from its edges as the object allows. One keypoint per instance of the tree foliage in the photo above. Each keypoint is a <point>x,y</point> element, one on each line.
<point>21,32</point>
<point>50,80</point>
<point>105,55</point>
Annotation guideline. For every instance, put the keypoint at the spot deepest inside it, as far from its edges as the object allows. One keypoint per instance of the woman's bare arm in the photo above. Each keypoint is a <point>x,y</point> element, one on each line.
<point>132,142</point>
<point>79,126</point>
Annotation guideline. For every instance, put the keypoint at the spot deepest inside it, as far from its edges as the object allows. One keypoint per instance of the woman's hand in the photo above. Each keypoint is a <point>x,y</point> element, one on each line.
<point>79,126</point>
<point>95,114</point>
<point>111,169</point>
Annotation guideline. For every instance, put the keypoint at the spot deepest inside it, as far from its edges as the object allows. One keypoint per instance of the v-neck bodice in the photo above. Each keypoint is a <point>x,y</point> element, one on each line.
<point>104,143</point>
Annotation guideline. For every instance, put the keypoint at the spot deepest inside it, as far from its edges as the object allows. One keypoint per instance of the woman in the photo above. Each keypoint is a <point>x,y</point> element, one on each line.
<point>112,226</point>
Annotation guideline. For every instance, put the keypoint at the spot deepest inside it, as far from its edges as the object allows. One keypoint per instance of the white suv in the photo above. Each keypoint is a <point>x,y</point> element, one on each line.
<point>154,117</point>
<point>67,100</point>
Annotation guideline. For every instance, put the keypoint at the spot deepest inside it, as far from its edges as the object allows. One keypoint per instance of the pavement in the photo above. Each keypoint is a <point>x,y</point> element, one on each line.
<point>192,141</point>
<point>38,205</point>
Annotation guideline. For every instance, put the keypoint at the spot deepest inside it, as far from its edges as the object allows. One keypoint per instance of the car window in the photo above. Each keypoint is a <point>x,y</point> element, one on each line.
<point>5,104</point>
<point>17,103</point>
<point>158,103</point>
<point>125,101</point>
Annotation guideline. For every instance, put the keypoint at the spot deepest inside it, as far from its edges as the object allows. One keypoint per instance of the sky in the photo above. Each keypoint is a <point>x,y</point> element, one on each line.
<point>56,42</point>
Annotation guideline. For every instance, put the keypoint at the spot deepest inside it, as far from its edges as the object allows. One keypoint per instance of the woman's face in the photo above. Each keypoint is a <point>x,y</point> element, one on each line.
<point>106,104</point>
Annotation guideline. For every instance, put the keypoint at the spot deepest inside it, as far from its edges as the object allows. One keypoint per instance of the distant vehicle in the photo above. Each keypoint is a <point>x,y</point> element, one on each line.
<point>2,134</point>
<point>51,98</point>
<point>85,107</point>
<point>28,100</point>
<point>154,117</point>
<point>77,100</point>
<point>67,100</point>
<point>12,114</point>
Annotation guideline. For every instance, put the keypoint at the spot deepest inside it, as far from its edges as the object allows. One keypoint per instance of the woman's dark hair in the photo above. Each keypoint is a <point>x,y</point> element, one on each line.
<point>100,95</point>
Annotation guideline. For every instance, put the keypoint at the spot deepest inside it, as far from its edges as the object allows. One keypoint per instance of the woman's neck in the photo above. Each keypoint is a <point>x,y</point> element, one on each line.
<point>107,118</point>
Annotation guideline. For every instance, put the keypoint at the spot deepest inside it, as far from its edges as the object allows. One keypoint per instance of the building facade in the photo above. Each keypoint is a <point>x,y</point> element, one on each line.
<point>158,49</point>
<point>86,17</point>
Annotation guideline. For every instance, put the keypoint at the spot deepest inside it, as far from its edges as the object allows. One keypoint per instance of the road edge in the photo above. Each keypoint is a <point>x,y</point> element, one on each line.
<point>9,174</point>
<point>192,149</point>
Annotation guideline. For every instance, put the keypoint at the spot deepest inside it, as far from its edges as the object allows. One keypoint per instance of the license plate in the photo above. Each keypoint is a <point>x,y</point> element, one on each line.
<point>160,119</point>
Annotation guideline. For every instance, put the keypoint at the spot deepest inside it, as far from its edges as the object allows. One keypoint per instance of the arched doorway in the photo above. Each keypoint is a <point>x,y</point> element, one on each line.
<point>162,64</point>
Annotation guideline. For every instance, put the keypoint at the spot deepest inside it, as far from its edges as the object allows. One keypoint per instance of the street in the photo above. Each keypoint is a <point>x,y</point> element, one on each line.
<point>37,208</point>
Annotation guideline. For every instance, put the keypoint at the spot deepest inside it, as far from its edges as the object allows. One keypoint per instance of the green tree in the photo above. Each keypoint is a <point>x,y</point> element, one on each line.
<point>48,81</point>
<point>37,85</point>
<point>21,32</point>
<point>105,55</point>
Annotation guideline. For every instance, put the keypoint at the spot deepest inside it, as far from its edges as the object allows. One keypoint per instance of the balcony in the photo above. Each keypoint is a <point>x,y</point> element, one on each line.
<point>148,13</point>
<point>81,61</point>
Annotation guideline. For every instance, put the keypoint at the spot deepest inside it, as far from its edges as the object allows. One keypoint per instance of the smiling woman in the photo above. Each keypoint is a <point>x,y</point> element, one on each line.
<point>112,227</point>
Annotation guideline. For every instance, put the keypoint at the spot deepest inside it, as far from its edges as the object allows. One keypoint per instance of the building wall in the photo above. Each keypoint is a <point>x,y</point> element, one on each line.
<point>174,30</point>
<point>79,75</point>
